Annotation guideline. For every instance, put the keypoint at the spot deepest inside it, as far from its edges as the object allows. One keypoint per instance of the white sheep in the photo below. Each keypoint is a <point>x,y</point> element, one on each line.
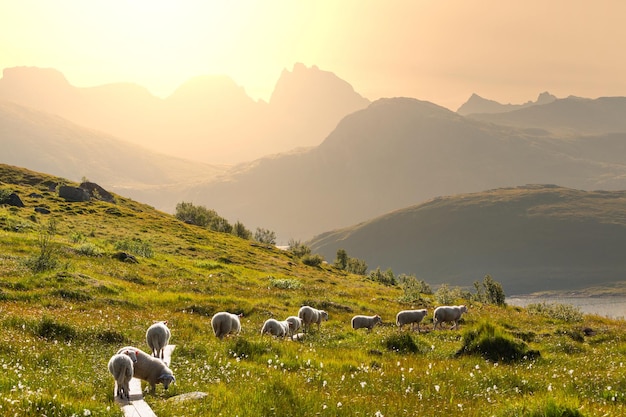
<point>310,315</point>
<point>365,322</point>
<point>121,367</point>
<point>276,328</point>
<point>450,314</point>
<point>411,317</point>
<point>158,336</point>
<point>296,323</point>
<point>151,369</point>
<point>224,323</point>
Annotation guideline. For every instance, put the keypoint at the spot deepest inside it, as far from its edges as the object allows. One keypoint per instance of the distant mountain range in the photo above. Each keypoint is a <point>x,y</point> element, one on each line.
<point>208,118</point>
<point>529,238</point>
<point>477,105</point>
<point>400,152</point>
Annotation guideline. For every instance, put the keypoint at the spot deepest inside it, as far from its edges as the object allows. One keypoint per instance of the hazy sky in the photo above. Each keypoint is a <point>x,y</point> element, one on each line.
<point>436,50</point>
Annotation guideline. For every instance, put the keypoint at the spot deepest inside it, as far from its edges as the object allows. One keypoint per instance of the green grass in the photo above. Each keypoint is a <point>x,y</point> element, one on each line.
<point>59,327</point>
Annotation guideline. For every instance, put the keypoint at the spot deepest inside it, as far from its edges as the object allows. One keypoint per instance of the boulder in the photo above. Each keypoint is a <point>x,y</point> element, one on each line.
<point>73,193</point>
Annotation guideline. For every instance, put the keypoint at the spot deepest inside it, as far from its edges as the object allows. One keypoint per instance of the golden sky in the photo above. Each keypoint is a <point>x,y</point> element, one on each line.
<point>436,50</point>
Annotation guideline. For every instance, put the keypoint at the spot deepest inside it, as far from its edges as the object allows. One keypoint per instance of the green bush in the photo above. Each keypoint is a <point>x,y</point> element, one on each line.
<point>285,283</point>
<point>89,249</point>
<point>312,260</point>
<point>565,312</point>
<point>135,246</point>
<point>493,343</point>
<point>403,343</point>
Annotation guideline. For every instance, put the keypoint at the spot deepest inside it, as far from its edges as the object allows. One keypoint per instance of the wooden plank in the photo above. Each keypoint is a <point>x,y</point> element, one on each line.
<point>136,406</point>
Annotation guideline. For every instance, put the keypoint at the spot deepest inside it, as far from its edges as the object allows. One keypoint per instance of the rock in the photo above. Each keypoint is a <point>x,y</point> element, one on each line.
<point>42,210</point>
<point>14,200</point>
<point>97,192</point>
<point>196,395</point>
<point>75,194</point>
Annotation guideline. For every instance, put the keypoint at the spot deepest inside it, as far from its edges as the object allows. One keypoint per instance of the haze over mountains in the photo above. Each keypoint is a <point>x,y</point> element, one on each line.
<point>331,159</point>
<point>208,118</point>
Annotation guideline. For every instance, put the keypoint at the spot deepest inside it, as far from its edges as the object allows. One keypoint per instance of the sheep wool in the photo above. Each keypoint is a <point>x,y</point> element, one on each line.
<point>121,367</point>
<point>158,336</point>
<point>450,314</point>
<point>224,323</point>
<point>411,317</point>
<point>310,315</point>
<point>365,322</point>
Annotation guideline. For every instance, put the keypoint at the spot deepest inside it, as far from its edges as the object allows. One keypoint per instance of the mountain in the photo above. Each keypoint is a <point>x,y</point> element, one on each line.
<point>49,143</point>
<point>400,152</point>
<point>476,104</point>
<point>208,118</point>
<point>568,116</point>
<point>529,238</point>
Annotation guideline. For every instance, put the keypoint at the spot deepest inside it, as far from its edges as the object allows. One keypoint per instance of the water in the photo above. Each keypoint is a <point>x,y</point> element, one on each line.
<point>613,307</point>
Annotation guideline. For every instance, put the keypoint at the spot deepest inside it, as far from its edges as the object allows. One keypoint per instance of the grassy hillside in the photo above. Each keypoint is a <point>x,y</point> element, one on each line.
<point>530,238</point>
<point>59,327</point>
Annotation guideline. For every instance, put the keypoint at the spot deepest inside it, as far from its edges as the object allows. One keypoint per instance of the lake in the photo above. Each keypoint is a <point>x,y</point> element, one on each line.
<point>613,307</point>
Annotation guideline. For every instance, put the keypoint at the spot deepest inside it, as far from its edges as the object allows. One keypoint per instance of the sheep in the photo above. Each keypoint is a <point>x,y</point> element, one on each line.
<point>224,323</point>
<point>296,323</point>
<point>449,314</point>
<point>276,328</point>
<point>121,367</point>
<point>310,315</point>
<point>410,317</point>
<point>151,369</point>
<point>158,336</point>
<point>365,322</point>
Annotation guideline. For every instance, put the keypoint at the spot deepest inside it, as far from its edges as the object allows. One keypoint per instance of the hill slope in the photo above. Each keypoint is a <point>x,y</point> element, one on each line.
<point>67,309</point>
<point>529,238</point>
<point>399,152</point>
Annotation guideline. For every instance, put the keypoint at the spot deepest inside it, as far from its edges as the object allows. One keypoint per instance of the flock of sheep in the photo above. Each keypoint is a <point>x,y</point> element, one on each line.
<point>131,362</point>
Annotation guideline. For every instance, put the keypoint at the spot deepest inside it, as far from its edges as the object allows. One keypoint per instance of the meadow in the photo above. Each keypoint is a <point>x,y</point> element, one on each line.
<point>67,303</point>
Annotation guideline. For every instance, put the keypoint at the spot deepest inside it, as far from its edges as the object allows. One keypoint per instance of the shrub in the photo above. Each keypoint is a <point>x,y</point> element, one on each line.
<point>298,249</point>
<point>312,260</point>
<point>547,409</point>
<point>446,295</point>
<point>45,259</point>
<point>285,283</point>
<point>489,291</point>
<point>89,249</point>
<point>48,329</point>
<point>386,278</point>
<point>493,343</point>
<point>240,230</point>
<point>565,312</point>
<point>244,349</point>
<point>265,236</point>
<point>135,246</point>
<point>402,343</point>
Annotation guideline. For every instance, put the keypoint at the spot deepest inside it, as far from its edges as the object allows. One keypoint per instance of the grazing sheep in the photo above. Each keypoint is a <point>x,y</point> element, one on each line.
<point>121,367</point>
<point>224,323</point>
<point>310,315</point>
<point>450,314</point>
<point>296,323</point>
<point>410,317</point>
<point>365,322</point>
<point>158,336</point>
<point>276,328</point>
<point>151,369</point>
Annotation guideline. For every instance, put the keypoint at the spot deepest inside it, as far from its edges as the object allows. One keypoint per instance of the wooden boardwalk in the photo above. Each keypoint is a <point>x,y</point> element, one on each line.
<point>137,407</point>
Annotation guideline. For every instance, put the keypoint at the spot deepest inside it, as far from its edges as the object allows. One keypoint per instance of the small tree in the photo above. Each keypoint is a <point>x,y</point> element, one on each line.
<point>265,236</point>
<point>298,249</point>
<point>386,278</point>
<point>489,291</point>
<point>341,261</point>
<point>356,266</point>
<point>240,230</point>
